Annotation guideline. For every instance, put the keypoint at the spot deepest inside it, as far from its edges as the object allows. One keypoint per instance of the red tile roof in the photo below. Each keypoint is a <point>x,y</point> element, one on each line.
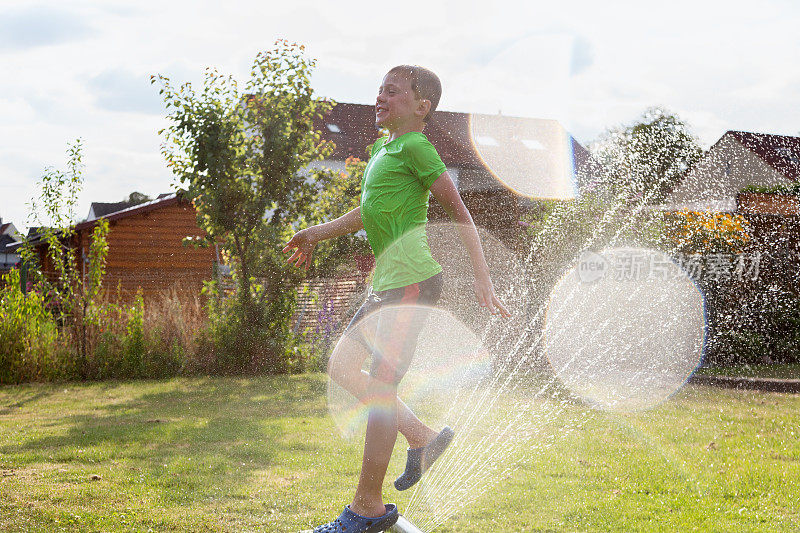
<point>781,152</point>
<point>448,131</point>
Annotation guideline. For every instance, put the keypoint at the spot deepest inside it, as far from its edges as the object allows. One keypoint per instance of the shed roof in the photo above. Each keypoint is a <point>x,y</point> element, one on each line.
<point>163,200</point>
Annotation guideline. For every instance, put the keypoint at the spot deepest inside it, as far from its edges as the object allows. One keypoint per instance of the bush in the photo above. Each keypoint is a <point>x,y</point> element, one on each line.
<point>173,325</point>
<point>246,341</point>
<point>754,327</point>
<point>31,347</point>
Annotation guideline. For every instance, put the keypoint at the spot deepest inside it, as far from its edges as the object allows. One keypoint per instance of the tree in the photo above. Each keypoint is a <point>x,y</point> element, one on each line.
<point>136,198</point>
<point>341,194</point>
<point>53,213</point>
<point>73,296</point>
<point>647,158</point>
<point>239,157</point>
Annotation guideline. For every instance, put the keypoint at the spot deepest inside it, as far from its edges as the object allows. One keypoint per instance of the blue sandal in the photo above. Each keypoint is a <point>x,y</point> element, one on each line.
<point>350,522</point>
<point>420,459</point>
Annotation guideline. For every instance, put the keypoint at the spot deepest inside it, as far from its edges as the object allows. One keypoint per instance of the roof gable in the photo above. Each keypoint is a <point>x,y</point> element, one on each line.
<point>5,241</point>
<point>163,200</point>
<point>781,152</point>
<point>101,209</point>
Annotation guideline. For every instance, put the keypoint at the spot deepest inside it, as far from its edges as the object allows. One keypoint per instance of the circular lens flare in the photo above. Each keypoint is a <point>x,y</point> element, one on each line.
<point>533,158</point>
<point>625,328</point>
<point>448,357</point>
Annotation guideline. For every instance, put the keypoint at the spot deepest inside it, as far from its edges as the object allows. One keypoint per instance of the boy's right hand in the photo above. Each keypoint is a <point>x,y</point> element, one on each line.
<point>304,242</point>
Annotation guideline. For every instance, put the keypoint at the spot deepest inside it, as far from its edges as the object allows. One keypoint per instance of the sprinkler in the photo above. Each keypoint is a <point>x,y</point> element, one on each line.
<point>404,526</point>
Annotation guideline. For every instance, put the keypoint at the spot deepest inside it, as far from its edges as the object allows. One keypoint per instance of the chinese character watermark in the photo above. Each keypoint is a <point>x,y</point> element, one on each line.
<point>639,265</point>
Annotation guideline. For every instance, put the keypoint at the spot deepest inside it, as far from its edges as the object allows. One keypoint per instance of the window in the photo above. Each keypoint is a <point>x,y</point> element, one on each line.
<point>485,140</point>
<point>532,144</point>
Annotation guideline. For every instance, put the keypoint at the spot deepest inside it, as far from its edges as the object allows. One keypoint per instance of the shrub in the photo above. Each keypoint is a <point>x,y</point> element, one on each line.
<point>755,327</point>
<point>173,321</point>
<point>154,339</point>
<point>239,341</point>
<point>164,337</point>
<point>31,347</point>
<point>692,232</point>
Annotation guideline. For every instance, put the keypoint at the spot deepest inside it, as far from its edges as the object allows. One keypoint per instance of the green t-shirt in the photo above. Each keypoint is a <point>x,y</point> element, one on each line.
<point>394,209</point>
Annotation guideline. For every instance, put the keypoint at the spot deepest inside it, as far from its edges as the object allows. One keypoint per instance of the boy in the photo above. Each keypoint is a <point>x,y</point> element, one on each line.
<point>402,169</point>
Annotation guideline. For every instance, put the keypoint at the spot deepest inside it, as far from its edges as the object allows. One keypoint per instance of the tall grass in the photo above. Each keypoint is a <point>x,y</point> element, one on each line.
<point>153,338</point>
<point>113,337</point>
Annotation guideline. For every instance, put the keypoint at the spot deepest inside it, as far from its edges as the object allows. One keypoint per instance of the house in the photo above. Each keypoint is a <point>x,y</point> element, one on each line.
<point>146,247</point>
<point>500,163</point>
<point>738,159</point>
<point>101,209</point>
<point>9,255</point>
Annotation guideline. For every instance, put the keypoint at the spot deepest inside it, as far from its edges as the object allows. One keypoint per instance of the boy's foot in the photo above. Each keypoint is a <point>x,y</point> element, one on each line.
<point>350,522</point>
<point>420,459</point>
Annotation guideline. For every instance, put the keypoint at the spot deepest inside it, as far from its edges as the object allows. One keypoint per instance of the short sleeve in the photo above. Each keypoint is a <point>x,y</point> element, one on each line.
<point>377,145</point>
<point>426,165</point>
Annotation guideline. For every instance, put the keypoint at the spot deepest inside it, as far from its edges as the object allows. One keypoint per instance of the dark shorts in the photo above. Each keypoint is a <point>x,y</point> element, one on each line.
<point>398,331</point>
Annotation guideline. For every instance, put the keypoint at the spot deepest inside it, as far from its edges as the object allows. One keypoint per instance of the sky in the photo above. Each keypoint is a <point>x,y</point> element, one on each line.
<point>82,69</point>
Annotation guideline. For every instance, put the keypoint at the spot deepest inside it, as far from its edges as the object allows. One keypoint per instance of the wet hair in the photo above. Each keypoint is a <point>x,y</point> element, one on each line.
<point>424,83</point>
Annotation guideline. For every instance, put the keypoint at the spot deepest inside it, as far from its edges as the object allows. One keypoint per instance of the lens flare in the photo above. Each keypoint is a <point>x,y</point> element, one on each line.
<point>448,357</point>
<point>508,276</point>
<point>533,158</point>
<point>625,328</point>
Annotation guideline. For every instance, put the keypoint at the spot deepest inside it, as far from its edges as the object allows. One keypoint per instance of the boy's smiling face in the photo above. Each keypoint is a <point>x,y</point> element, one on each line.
<point>397,107</point>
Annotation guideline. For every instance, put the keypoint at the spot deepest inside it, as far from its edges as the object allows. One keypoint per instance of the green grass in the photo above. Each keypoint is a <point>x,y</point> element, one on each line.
<point>753,371</point>
<point>262,454</point>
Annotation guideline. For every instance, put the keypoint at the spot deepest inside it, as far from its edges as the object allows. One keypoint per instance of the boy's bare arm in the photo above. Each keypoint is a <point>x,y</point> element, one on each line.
<point>350,222</point>
<point>445,192</point>
<point>306,239</point>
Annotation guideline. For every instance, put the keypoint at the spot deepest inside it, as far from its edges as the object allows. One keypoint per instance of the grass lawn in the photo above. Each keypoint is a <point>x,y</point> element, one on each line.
<point>262,454</point>
<point>753,371</point>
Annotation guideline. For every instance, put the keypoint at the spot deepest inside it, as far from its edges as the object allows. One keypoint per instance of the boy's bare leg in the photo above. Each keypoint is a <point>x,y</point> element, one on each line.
<point>380,393</point>
<point>345,369</point>
<point>416,432</point>
<point>378,446</point>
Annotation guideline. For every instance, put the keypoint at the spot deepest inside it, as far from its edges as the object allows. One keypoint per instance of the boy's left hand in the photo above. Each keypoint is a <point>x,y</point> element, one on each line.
<point>484,291</point>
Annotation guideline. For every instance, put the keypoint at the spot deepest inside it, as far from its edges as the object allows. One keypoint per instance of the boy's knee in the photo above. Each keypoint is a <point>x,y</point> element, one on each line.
<point>387,371</point>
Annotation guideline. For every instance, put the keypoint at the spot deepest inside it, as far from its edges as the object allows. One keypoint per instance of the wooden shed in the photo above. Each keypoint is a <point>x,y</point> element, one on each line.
<point>146,249</point>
